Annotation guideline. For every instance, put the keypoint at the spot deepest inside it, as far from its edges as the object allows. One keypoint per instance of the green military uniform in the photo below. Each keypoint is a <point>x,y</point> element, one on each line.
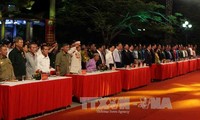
<point>63,60</point>
<point>6,69</point>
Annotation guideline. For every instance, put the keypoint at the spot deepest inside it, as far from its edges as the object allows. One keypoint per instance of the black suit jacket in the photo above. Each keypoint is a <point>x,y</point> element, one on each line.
<point>167,54</point>
<point>173,55</point>
<point>126,57</point>
<point>153,55</point>
<point>148,57</point>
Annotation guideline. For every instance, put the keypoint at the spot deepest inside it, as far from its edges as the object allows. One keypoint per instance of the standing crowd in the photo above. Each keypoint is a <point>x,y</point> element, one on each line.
<point>20,59</point>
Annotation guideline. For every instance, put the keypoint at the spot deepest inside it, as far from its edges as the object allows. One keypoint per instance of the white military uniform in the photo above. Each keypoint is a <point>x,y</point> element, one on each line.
<point>75,62</point>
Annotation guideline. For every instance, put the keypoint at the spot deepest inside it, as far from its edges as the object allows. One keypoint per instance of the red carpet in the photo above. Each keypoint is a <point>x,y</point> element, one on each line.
<point>183,91</point>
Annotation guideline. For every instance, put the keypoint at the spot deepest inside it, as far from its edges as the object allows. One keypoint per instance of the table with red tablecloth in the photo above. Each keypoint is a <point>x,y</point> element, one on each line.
<point>135,77</point>
<point>165,71</point>
<point>97,84</point>
<point>25,98</point>
<point>193,64</point>
<point>183,67</point>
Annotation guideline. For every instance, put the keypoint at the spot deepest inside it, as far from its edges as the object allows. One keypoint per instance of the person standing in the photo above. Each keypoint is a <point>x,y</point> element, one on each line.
<point>17,57</point>
<point>43,61</point>
<point>85,57</point>
<point>148,56</point>
<point>6,68</point>
<point>62,63</point>
<point>126,56</point>
<point>31,60</point>
<point>135,54</point>
<point>153,53</point>
<point>109,57</point>
<point>157,59</point>
<point>118,56</point>
<point>52,54</point>
<point>73,47</point>
<point>76,61</point>
<point>91,50</point>
<point>101,60</point>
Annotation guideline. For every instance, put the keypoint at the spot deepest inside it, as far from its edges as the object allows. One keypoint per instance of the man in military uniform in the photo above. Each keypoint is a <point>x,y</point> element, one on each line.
<point>6,68</point>
<point>62,62</point>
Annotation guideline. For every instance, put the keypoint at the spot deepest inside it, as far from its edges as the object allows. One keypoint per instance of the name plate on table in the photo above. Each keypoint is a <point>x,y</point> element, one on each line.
<point>83,72</point>
<point>44,76</point>
<point>113,68</point>
<point>127,67</point>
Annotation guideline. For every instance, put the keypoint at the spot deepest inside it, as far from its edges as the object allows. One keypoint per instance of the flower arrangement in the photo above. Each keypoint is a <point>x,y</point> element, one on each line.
<point>37,75</point>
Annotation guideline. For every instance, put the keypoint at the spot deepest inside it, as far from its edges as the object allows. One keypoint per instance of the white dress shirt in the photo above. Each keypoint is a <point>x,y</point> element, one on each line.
<point>109,58</point>
<point>135,52</point>
<point>191,51</point>
<point>194,53</point>
<point>39,52</point>
<point>8,51</point>
<point>186,53</point>
<point>43,63</point>
<point>116,56</point>
<point>183,53</point>
<point>101,56</point>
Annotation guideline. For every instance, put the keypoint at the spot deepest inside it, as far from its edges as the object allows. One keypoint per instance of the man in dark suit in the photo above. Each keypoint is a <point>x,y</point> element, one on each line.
<point>17,57</point>
<point>148,56</point>
<point>168,53</point>
<point>126,56</point>
<point>153,52</point>
<point>162,55</point>
<point>173,53</point>
<point>101,60</point>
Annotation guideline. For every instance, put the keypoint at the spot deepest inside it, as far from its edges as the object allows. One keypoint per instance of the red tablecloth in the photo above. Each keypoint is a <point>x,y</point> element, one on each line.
<point>153,71</point>
<point>96,84</point>
<point>29,98</point>
<point>198,63</point>
<point>165,71</point>
<point>136,77</point>
<point>193,64</point>
<point>183,67</point>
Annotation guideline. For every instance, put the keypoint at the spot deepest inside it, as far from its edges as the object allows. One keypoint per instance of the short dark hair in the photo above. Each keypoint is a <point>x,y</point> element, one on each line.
<point>109,46</point>
<point>99,46</point>
<point>118,43</point>
<point>43,46</point>
<point>17,39</point>
<point>6,41</point>
<point>25,45</point>
<point>32,43</point>
<point>65,44</point>
<point>2,45</point>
